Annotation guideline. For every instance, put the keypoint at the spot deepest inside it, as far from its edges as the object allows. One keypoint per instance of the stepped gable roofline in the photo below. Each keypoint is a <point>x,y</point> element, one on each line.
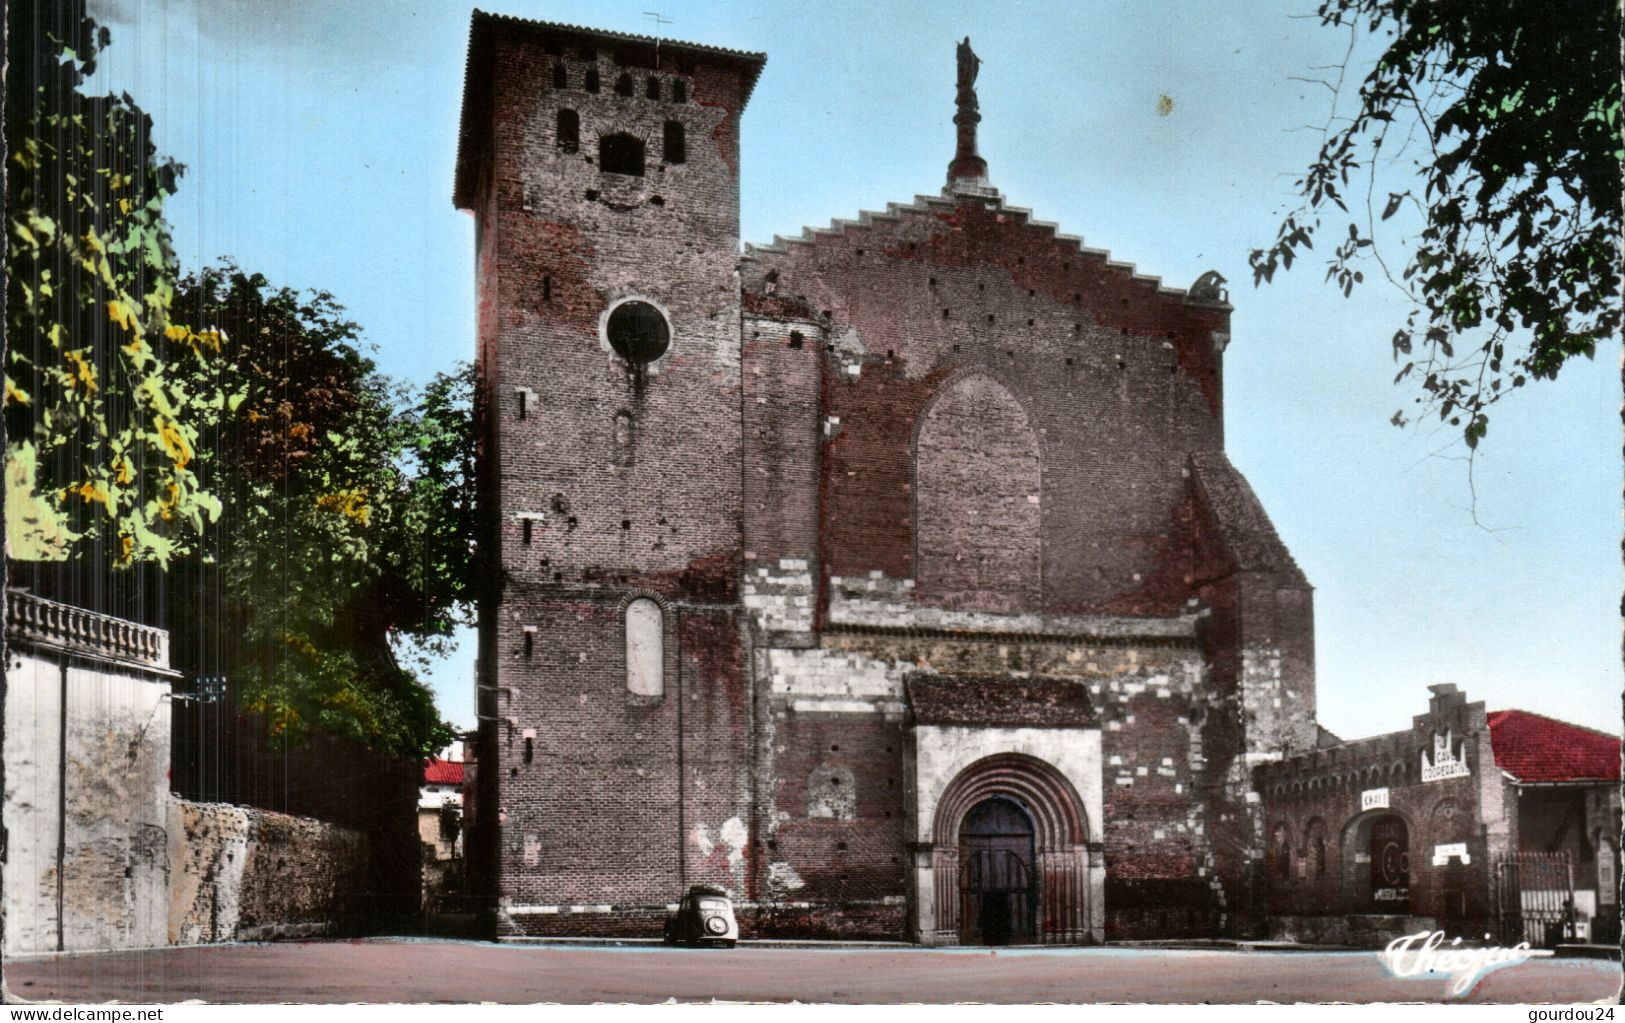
<point>1534,748</point>
<point>990,199</point>
<point>1243,523</point>
<point>471,135</point>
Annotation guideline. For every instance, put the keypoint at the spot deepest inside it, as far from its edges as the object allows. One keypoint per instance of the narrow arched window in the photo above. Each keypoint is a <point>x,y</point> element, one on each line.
<point>623,85</point>
<point>676,151</point>
<point>591,82</point>
<point>652,87</point>
<point>679,91</point>
<point>621,154</point>
<point>560,77</point>
<point>569,131</point>
<point>645,648</point>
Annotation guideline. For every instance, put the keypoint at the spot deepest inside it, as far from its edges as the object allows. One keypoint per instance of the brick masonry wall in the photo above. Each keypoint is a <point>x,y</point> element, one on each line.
<point>611,482</point>
<point>1117,380</point>
<point>242,874</point>
<point>942,413</point>
<point>1316,797</point>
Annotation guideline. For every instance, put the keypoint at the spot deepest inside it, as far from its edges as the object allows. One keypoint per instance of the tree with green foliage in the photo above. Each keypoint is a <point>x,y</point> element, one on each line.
<point>1485,141</point>
<point>345,529</point>
<point>102,433</point>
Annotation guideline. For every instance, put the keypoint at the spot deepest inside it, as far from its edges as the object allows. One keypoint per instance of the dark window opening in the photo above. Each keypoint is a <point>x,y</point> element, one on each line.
<point>569,131</point>
<point>679,92</point>
<point>796,338</point>
<point>621,154</point>
<point>638,332</point>
<point>525,528</point>
<point>530,643</point>
<point>675,150</point>
<point>561,78</point>
<point>530,749</point>
<point>547,288</point>
<point>652,87</point>
<point>524,403</point>
<point>591,81</point>
<point>623,85</point>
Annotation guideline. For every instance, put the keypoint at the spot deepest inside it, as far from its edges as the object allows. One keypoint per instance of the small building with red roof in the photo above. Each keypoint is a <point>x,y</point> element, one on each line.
<point>1504,823</point>
<point>441,828</point>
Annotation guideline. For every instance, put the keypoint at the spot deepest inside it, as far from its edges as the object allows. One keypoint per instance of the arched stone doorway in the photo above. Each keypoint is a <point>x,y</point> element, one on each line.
<point>989,816</point>
<point>1377,864</point>
<point>998,886</point>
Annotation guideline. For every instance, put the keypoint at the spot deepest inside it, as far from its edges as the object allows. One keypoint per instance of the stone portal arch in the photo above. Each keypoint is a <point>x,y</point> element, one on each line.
<point>1067,902</point>
<point>978,484</point>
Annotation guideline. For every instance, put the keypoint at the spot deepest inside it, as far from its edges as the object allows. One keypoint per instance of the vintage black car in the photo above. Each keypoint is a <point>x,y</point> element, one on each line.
<point>705,916</point>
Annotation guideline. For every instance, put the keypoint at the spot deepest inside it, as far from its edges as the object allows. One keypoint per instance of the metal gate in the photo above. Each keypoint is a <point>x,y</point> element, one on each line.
<point>1534,898</point>
<point>999,896</point>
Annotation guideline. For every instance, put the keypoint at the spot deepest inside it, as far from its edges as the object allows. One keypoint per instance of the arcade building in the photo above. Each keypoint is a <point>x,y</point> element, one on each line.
<point>892,576</point>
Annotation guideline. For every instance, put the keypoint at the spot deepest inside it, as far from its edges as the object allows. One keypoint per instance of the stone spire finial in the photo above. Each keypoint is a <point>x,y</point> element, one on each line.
<point>968,170</point>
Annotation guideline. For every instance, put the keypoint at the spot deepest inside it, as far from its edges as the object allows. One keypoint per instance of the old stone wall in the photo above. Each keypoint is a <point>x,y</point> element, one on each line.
<point>244,874</point>
<point>87,759</point>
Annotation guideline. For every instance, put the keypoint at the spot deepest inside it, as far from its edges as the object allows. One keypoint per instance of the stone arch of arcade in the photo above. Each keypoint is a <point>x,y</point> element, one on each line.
<point>1068,871</point>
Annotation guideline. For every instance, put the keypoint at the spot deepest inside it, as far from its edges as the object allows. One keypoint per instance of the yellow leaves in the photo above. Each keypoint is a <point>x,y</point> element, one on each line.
<point>299,431</point>
<point>195,340</point>
<point>92,493</point>
<point>352,504</point>
<point>81,373</point>
<point>301,644</point>
<point>122,472</point>
<point>175,443</point>
<point>126,548</point>
<point>171,501</point>
<point>15,393</point>
<point>124,314</point>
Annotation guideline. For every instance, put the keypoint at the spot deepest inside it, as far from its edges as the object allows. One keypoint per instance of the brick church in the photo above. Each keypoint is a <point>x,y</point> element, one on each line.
<point>892,576</point>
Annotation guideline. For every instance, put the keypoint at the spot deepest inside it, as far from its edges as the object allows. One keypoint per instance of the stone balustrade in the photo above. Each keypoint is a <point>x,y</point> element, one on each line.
<point>32,619</point>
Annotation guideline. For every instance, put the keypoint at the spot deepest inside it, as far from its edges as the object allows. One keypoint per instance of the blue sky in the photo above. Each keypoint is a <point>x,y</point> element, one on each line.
<point>320,135</point>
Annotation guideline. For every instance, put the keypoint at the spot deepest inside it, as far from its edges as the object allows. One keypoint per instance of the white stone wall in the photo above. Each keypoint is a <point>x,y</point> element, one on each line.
<point>114,840</point>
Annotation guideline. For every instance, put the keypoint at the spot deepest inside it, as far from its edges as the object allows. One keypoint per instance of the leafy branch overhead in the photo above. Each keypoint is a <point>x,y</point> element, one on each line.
<point>1485,143</point>
<point>102,433</point>
<point>347,523</point>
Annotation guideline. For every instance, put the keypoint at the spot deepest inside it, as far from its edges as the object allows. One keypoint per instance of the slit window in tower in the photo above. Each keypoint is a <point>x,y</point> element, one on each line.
<point>560,77</point>
<point>623,85</point>
<point>621,154</point>
<point>569,130</point>
<point>675,149</point>
<point>591,82</point>
<point>679,91</point>
<point>652,88</point>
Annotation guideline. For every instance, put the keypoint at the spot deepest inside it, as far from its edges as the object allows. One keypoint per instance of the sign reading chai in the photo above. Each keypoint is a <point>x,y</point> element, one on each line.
<point>1445,763</point>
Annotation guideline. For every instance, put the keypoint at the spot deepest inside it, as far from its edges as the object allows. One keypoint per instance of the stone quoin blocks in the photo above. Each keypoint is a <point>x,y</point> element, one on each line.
<point>750,517</point>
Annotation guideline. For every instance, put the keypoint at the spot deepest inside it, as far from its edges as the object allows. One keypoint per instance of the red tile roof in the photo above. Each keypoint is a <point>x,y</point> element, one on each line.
<point>1531,747</point>
<point>443,772</point>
